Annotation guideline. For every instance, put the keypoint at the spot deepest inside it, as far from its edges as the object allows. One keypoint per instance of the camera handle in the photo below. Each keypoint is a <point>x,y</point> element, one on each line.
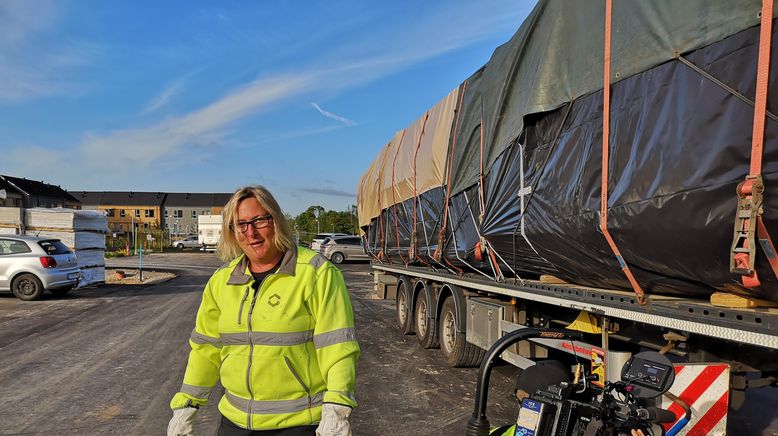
<point>478,424</point>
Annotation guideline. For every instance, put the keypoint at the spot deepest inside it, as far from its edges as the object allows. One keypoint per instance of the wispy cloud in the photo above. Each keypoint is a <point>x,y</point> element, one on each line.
<point>163,98</point>
<point>329,191</point>
<point>294,134</point>
<point>338,118</point>
<point>33,63</point>
<point>198,128</point>
<point>22,18</point>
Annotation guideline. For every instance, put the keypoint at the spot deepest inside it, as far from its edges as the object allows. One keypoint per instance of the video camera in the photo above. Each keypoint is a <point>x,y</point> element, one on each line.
<point>569,409</point>
<point>578,408</point>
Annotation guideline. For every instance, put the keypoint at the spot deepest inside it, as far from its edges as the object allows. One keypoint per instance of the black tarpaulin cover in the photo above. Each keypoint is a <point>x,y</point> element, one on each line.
<point>679,145</point>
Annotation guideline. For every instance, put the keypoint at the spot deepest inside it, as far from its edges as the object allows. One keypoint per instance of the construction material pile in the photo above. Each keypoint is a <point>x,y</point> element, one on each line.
<point>83,231</point>
<point>505,176</point>
<point>10,220</point>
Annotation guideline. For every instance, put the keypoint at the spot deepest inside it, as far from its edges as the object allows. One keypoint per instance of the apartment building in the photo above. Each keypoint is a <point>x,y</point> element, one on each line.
<point>181,210</point>
<point>125,209</point>
<point>172,211</point>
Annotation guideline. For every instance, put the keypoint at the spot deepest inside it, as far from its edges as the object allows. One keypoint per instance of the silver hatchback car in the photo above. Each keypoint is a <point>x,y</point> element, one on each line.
<point>28,265</point>
<point>337,249</point>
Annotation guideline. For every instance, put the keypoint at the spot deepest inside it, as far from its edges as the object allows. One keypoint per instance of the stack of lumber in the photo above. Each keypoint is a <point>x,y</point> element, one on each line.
<point>10,220</point>
<point>83,231</point>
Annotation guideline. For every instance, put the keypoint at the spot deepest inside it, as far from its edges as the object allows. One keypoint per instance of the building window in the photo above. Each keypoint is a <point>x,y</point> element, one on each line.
<point>194,214</point>
<point>178,213</point>
<point>122,213</point>
<point>137,213</point>
<point>167,213</point>
<point>149,213</point>
<point>109,212</point>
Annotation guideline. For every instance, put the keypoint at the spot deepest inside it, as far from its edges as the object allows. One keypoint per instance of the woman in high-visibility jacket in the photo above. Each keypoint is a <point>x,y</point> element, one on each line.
<point>276,326</point>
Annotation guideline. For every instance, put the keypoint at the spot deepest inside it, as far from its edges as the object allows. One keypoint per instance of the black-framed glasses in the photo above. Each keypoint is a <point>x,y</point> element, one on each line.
<point>259,222</point>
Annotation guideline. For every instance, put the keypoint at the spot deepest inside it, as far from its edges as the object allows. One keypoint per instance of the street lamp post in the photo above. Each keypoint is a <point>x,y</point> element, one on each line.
<point>316,215</point>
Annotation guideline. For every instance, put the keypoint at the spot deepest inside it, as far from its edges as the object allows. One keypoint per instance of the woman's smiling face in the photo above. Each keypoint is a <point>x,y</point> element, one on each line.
<point>257,244</point>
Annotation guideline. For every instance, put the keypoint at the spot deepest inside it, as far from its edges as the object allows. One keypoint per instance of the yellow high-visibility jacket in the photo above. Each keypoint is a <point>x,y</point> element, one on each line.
<point>280,352</point>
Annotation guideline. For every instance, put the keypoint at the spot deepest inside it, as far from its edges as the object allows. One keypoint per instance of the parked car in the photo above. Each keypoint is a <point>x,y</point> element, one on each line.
<point>319,238</point>
<point>28,265</point>
<point>188,242</point>
<point>338,249</point>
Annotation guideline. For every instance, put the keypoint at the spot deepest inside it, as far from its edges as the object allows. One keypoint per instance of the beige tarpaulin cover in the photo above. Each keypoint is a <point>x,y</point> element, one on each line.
<point>415,156</point>
<point>367,198</point>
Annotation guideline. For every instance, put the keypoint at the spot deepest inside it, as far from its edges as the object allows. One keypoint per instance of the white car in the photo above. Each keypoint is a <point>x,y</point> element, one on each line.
<point>28,265</point>
<point>319,238</point>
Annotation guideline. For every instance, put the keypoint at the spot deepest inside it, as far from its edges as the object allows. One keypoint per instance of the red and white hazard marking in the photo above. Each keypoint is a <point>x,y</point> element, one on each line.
<point>705,388</point>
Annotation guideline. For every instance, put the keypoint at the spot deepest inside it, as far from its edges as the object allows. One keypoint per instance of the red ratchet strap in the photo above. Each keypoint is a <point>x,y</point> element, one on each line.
<point>749,225</point>
<point>605,150</point>
<point>442,233</point>
<point>394,200</point>
<point>412,253</point>
<point>483,245</point>
<point>380,184</point>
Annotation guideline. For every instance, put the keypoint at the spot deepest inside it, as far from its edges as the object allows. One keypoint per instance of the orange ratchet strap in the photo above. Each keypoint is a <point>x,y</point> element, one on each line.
<point>605,150</point>
<point>412,250</point>
<point>380,183</point>
<point>749,225</point>
<point>439,250</point>
<point>483,244</point>
<point>394,199</point>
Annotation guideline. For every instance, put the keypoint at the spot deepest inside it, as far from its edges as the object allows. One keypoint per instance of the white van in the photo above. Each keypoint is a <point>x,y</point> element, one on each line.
<point>209,231</point>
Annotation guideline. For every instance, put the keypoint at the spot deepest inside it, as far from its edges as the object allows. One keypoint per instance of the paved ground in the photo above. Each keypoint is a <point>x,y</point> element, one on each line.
<point>107,361</point>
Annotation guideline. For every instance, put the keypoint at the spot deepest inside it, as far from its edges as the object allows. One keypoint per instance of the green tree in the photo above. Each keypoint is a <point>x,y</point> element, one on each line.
<point>329,221</point>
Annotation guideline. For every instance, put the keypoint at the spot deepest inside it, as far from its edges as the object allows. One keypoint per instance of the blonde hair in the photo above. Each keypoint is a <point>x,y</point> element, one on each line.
<point>228,247</point>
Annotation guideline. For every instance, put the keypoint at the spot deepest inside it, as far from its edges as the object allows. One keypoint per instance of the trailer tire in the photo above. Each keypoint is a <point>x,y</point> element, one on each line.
<point>425,326</point>
<point>453,344</point>
<point>402,306</point>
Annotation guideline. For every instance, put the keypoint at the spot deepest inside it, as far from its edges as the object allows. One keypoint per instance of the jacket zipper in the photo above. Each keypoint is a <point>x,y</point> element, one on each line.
<point>240,309</point>
<point>251,352</point>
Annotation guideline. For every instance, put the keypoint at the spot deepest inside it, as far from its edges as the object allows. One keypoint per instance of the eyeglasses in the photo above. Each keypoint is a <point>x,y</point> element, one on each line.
<point>259,222</point>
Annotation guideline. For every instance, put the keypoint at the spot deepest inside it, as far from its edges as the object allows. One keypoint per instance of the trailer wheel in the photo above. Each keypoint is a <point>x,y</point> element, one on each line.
<point>456,350</point>
<point>426,328</point>
<point>402,303</point>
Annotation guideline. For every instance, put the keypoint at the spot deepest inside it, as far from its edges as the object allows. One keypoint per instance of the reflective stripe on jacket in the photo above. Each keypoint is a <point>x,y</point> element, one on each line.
<point>281,351</point>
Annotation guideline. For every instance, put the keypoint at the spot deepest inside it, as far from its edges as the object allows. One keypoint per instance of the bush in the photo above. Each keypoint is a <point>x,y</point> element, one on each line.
<point>110,254</point>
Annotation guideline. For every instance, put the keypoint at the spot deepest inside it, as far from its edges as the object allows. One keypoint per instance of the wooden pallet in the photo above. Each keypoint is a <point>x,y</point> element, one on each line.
<point>551,280</point>
<point>723,299</point>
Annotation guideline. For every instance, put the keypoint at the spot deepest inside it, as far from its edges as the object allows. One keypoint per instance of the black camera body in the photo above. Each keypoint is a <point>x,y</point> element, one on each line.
<point>553,412</point>
<point>565,410</point>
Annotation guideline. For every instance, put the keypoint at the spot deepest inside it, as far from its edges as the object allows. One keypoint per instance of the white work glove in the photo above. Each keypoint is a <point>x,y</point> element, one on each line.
<point>182,422</point>
<point>334,420</point>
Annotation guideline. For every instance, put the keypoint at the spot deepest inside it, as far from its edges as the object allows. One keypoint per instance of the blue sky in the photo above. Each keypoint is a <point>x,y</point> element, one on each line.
<point>203,96</point>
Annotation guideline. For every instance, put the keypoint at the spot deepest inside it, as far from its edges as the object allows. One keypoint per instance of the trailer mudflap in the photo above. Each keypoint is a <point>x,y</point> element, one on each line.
<point>705,388</point>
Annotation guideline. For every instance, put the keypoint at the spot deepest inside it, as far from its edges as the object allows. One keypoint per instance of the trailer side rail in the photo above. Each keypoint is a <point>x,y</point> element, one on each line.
<point>757,327</point>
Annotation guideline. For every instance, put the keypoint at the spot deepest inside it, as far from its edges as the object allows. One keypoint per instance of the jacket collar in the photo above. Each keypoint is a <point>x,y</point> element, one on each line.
<point>241,276</point>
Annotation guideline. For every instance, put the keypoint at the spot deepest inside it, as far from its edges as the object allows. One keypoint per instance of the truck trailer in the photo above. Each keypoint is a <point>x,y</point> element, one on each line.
<point>609,171</point>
